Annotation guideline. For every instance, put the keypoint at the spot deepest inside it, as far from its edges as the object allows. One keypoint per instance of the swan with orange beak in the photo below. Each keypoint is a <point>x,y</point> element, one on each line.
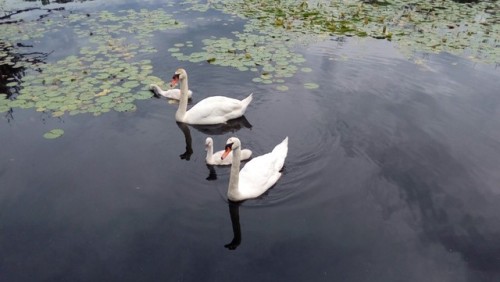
<point>258,175</point>
<point>211,110</point>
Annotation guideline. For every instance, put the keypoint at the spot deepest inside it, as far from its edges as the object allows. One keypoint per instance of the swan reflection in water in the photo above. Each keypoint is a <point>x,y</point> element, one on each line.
<point>212,174</point>
<point>189,141</point>
<point>216,129</point>
<point>219,129</point>
<point>234,211</point>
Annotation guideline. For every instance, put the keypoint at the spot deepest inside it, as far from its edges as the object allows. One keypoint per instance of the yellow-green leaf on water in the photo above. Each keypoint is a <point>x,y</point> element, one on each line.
<point>54,133</point>
<point>125,107</point>
<point>104,92</point>
<point>310,85</point>
<point>143,95</point>
<point>3,108</point>
<point>57,114</point>
<point>130,84</point>
<point>282,87</point>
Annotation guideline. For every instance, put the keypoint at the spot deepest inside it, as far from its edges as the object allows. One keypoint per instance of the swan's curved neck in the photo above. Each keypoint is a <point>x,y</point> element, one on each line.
<point>210,153</point>
<point>234,178</point>
<point>181,111</point>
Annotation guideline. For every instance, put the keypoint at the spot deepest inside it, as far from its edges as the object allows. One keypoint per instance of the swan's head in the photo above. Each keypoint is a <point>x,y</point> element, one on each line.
<point>232,144</point>
<point>179,74</point>
<point>155,88</point>
<point>208,143</point>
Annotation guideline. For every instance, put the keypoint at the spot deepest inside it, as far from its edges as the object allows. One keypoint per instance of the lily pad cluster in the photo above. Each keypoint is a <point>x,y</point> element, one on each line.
<point>82,85</point>
<point>464,29</point>
<point>106,73</point>
<point>4,103</point>
<point>138,26</point>
<point>268,56</point>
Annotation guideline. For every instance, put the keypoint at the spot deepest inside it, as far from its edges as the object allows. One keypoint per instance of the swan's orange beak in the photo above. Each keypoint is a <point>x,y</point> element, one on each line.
<point>175,80</point>
<point>227,150</point>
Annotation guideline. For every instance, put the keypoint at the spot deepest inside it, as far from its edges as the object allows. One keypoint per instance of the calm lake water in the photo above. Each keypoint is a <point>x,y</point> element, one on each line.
<point>393,173</point>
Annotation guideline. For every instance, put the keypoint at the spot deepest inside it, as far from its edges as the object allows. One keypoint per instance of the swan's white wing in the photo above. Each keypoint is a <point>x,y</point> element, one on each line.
<point>262,172</point>
<point>258,175</point>
<point>245,154</point>
<point>175,93</point>
<point>215,109</point>
<point>172,94</point>
<point>280,151</point>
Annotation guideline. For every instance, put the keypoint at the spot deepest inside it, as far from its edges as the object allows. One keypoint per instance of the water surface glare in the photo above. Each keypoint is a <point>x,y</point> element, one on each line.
<point>392,174</point>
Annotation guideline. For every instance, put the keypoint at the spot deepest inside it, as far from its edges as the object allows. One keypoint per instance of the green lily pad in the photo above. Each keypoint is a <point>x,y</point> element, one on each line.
<point>125,107</point>
<point>54,133</point>
<point>143,95</point>
<point>58,113</point>
<point>130,84</point>
<point>310,85</point>
<point>282,87</point>
<point>4,108</point>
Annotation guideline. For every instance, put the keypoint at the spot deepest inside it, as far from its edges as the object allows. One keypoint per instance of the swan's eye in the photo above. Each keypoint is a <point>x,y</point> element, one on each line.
<point>176,76</point>
<point>229,146</point>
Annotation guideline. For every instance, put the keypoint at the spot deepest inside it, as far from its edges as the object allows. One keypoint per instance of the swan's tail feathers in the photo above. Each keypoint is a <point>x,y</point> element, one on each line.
<point>281,151</point>
<point>281,148</point>
<point>247,100</point>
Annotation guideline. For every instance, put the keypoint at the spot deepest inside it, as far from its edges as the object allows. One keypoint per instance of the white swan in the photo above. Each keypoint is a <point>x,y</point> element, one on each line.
<point>211,110</point>
<point>170,93</point>
<point>215,158</point>
<point>258,175</point>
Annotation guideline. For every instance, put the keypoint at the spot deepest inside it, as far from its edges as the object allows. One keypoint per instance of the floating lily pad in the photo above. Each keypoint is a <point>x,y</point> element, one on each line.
<point>4,108</point>
<point>310,85</point>
<point>58,113</point>
<point>125,107</point>
<point>282,87</point>
<point>130,84</point>
<point>142,95</point>
<point>54,133</point>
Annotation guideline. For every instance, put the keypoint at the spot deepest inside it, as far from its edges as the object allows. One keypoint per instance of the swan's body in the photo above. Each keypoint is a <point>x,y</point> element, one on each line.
<point>171,93</point>
<point>211,110</point>
<point>216,158</point>
<point>258,175</point>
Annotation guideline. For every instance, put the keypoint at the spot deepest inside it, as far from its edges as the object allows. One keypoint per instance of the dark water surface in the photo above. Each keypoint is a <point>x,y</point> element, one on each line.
<point>393,174</point>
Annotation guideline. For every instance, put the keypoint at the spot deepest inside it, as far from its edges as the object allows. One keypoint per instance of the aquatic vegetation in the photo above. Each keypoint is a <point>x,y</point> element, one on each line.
<point>269,57</point>
<point>282,87</point>
<point>54,133</point>
<point>105,75</point>
<point>311,85</point>
<point>4,103</point>
<point>463,29</point>
<point>273,28</point>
